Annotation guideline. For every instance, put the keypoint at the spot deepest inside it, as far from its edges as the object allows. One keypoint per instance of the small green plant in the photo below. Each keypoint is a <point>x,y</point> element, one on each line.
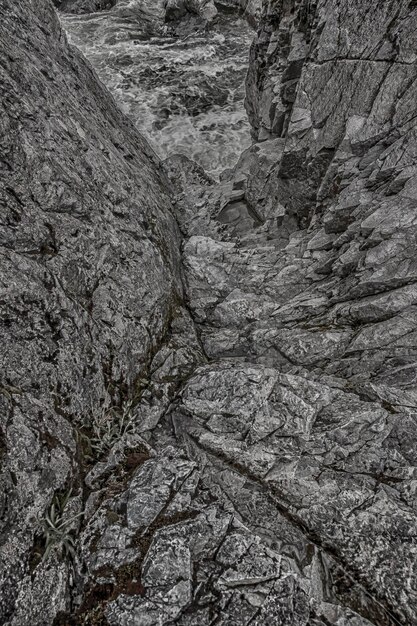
<point>9,391</point>
<point>56,529</point>
<point>109,427</point>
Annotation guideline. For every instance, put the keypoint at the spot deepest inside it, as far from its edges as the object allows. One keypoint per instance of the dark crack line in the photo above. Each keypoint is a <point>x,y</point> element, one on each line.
<point>297,523</point>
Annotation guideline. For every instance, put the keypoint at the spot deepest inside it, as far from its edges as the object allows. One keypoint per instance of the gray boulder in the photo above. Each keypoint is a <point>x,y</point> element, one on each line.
<point>177,9</point>
<point>321,291</point>
<point>83,6</point>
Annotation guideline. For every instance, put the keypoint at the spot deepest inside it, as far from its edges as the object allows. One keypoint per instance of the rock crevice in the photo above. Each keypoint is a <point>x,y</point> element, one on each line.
<point>231,411</point>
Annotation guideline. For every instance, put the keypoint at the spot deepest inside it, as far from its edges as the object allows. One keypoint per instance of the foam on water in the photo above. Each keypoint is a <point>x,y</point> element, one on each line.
<point>184,93</point>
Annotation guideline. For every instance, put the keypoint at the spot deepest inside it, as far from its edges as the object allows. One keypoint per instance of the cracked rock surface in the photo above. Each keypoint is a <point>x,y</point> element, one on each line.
<point>89,281</point>
<point>260,389</point>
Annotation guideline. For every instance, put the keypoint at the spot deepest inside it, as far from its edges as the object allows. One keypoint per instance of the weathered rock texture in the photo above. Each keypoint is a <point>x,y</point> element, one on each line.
<point>83,6</point>
<point>250,8</point>
<point>177,9</point>
<point>154,13</point>
<point>309,318</point>
<point>89,280</point>
<point>269,474</point>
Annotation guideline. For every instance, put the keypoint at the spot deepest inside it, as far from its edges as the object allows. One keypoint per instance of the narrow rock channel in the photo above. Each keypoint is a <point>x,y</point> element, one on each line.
<point>208,391</point>
<point>182,81</point>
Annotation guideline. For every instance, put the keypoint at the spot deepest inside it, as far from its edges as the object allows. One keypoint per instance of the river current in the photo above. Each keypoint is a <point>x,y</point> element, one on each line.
<point>184,89</point>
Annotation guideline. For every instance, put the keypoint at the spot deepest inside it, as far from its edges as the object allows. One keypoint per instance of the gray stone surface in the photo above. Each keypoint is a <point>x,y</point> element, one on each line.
<point>83,6</point>
<point>152,13</point>
<point>268,472</point>
<point>251,9</point>
<point>89,275</point>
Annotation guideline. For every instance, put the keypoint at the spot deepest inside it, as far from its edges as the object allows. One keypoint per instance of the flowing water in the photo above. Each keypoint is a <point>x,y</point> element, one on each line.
<point>184,89</point>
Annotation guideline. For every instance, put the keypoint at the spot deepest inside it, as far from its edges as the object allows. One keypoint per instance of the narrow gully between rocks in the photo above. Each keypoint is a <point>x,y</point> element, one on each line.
<point>182,84</point>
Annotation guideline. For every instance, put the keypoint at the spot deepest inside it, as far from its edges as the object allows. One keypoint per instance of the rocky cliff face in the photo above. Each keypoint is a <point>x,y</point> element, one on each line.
<point>89,281</point>
<point>243,453</point>
<point>309,317</point>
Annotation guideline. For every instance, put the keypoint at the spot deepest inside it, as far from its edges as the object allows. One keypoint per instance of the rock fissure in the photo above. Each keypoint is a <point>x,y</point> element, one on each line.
<point>243,350</point>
